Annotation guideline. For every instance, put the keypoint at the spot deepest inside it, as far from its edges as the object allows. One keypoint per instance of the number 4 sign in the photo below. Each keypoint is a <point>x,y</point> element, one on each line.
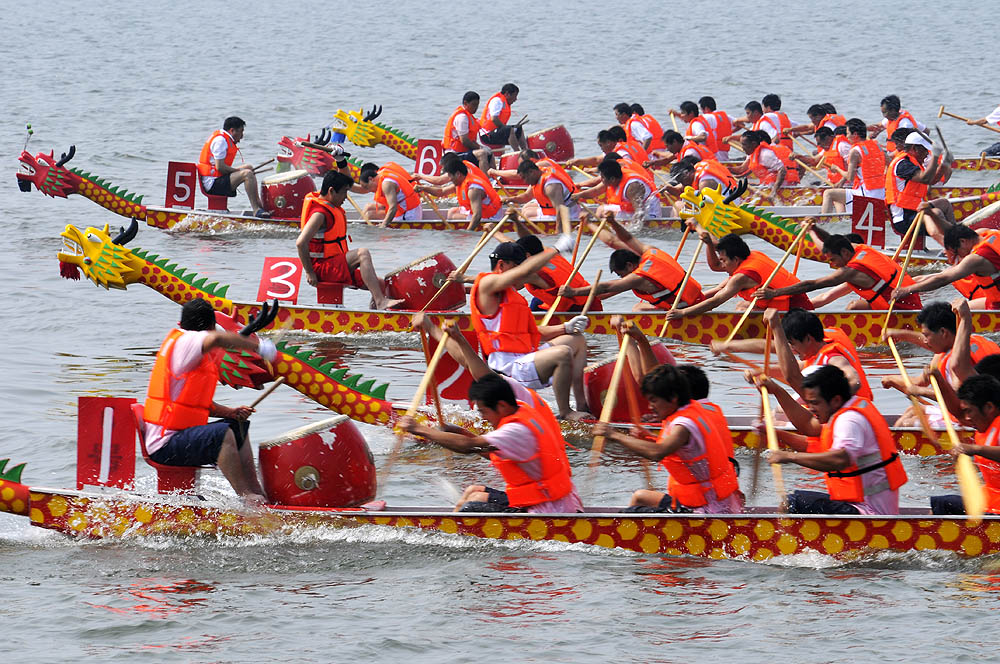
<point>280,279</point>
<point>868,217</point>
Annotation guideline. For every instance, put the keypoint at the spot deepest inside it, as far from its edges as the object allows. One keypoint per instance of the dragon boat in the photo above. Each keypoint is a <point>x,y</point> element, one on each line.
<point>108,263</point>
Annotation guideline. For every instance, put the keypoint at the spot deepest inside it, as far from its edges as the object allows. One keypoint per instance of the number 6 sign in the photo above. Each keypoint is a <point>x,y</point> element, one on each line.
<point>280,279</point>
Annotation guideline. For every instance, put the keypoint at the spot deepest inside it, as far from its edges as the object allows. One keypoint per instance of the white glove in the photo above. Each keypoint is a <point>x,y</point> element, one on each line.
<point>337,149</point>
<point>576,324</point>
<point>267,350</point>
<point>565,243</point>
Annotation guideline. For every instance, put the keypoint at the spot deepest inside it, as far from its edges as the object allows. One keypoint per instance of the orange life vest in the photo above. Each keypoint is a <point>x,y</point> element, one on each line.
<point>191,407</point>
<point>667,274</point>
<point>847,484</point>
<point>555,273</point>
<point>989,468</point>
<point>551,170</point>
<point>491,203</point>
<point>517,331</point>
<point>784,123</point>
<point>206,162</point>
<point>870,174</point>
<point>774,120</point>
<point>718,420</point>
<point>655,129</point>
<point>759,267</point>
<point>711,134</point>
<point>556,479</point>
<point>714,169</point>
<point>832,157</point>
<point>979,347</point>
<point>453,142</point>
<point>988,247</point>
<point>486,120</point>
<point>684,487</point>
<point>905,194</point>
<point>631,172</point>
<point>884,271</point>
<point>331,240</point>
<point>767,176</point>
<point>893,125</point>
<point>703,152</point>
<point>407,197</point>
<point>832,118</point>
<point>631,150</point>
<point>723,129</point>
<point>837,343</point>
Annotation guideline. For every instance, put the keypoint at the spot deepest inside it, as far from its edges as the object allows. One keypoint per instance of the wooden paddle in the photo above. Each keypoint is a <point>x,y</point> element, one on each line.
<point>433,388</point>
<point>361,213</point>
<point>591,294</point>
<point>968,479</point>
<point>634,412</point>
<point>468,261</point>
<point>412,410</point>
<point>757,451</point>
<point>680,245</point>
<point>683,285</point>
<point>673,119</point>
<point>812,170</point>
<point>746,314</point>
<point>941,112</point>
<point>270,388</point>
<point>576,268</point>
<point>610,399</point>
<point>430,201</point>
<point>772,443</point>
<point>576,246</point>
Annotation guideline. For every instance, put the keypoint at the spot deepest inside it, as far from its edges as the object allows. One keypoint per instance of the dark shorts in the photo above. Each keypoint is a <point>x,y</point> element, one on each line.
<point>536,305</point>
<point>902,226</point>
<point>222,187</point>
<point>993,150</point>
<point>497,502</point>
<point>667,505</point>
<point>951,504</point>
<point>335,270</point>
<point>817,502</point>
<point>499,136</point>
<point>199,446</point>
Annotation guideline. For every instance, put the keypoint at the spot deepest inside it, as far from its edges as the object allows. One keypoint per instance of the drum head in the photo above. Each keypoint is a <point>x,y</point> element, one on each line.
<point>285,177</point>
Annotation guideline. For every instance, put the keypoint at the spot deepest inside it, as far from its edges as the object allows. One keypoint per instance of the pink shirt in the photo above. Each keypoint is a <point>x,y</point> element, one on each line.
<point>695,447</point>
<point>853,434</point>
<point>186,357</point>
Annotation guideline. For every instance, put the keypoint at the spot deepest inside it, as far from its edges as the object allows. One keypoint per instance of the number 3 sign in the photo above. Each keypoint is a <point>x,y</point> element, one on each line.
<point>280,279</point>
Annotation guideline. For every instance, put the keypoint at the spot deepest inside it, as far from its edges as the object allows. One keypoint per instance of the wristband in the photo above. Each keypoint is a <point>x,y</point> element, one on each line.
<point>342,163</point>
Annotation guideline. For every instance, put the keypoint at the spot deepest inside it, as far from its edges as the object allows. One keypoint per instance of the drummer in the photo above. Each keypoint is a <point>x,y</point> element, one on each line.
<point>322,243</point>
<point>395,195</point>
<point>215,166</point>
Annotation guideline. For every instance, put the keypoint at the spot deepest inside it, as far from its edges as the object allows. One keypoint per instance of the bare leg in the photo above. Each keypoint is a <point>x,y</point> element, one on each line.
<point>858,304</point>
<point>475,493</point>
<point>231,465</point>
<point>646,497</point>
<point>250,178</point>
<point>559,363</point>
<point>249,467</point>
<point>361,259</point>
<point>834,200</point>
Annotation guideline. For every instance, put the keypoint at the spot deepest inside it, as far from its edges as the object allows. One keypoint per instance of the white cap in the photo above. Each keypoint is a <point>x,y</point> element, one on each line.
<point>914,138</point>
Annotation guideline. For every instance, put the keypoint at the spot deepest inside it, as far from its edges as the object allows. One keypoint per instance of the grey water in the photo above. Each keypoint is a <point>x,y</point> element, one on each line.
<point>134,85</point>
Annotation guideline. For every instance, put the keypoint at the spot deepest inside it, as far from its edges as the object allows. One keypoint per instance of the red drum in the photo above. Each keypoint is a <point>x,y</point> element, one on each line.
<point>555,142</point>
<point>282,195</point>
<point>596,379</point>
<point>417,283</point>
<point>327,464</point>
<point>510,162</point>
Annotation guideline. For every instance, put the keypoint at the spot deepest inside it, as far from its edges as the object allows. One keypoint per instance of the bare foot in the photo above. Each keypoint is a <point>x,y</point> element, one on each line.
<point>390,304</point>
<point>574,416</point>
<point>254,500</point>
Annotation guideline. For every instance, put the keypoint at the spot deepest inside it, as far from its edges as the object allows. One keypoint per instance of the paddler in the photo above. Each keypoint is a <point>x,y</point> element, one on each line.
<point>894,118</point>
<point>215,166</point>
<point>820,115</point>
<point>859,268</point>
<point>677,148</point>
<point>856,449</point>
<point>634,126</point>
<point>721,124</point>
<point>771,164</point>
<point>699,128</point>
<point>179,402</point>
<point>544,285</point>
<point>747,270</point>
<point>774,116</point>
<point>832,148</point>
<point>462,132</point>
<point>322,243</point>
<point>938,333</point>
<point>991,119</point>
<point>395,195</point>
<point>690,447</point>
<point>699,174</point>
<point>865,174</point>
<point>551,187</point>
<point>975,272</point>
<point>651,124</point>
<point>979,399</point>
<point>907,180</point>
<point>651,273</point>
<point>494,132</point>
<point>512,340</point>
<point>630,190</point>
<point>526,445</point>
<point>477,199</point>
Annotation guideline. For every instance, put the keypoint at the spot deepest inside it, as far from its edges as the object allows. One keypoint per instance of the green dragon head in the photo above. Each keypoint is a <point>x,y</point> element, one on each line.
<point>105,261</point>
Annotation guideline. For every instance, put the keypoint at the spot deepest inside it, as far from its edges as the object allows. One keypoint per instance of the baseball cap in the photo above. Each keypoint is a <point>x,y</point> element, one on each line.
<point>916,139</point>
<point>507,251</point>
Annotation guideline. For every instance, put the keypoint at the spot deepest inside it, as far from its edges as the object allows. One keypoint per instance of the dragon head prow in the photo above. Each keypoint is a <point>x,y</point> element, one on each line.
<point>47,174</point>
<point>710,210</point>
<point>104,260</point>
<point>359,128</point>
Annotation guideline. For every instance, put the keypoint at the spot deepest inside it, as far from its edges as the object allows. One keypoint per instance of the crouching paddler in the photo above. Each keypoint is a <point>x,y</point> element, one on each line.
<point>690,447</point>
<point>526,445</point>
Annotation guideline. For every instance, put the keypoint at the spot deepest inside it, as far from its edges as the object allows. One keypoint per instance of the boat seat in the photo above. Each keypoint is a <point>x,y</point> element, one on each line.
<point>169,479</point>
<point>330,293</point>
<point>215,203</point>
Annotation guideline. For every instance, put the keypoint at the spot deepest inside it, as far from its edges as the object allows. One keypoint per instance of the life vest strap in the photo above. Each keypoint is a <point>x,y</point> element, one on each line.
<point>867,469</point>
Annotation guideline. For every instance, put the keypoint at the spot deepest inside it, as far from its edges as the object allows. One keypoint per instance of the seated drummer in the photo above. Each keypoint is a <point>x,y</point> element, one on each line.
<point>526,445</point>
<point>322,243</point>
<point>747,270</point>
<point>651,273</point>
<point>856,449</point>
<point>690,446</point>
<point>215,166</point>
<point>511,339</point>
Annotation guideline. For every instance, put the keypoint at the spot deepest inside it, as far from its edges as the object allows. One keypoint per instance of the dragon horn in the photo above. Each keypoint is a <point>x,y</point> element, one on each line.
<point>66,156</point>
<point>374,113</point>
<point>262,319</point>
<point>324,136</point>
<point>126,235</point>
<point>741,189</point>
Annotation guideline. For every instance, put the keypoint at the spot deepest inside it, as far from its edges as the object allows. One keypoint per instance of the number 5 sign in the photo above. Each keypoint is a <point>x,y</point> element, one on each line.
<point>868,216</point>
<point>280,279</point>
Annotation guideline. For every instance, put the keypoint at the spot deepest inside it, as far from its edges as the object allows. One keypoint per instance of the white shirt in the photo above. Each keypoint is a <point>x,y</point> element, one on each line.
<point>994,117</point>
<point>186,356</point>
<point>460,126</point>
<point>769,160</point>
<point>764,125</point>
<point>700,125</point>
<point>637,131</point>
<point>904,123</point>
<point>492,110</point>
<point>854,434</point>
<point>218,148</point>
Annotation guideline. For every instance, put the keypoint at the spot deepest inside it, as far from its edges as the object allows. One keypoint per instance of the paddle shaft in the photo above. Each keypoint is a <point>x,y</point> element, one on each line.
<point>592,294</point>
<point>918,408</point>
<point>361,213</point>
<point>746,314</point>
<point>968,481</point>
<point>772,442</point>
<point>270,388</point>
<point>433,388</point>
<point>576,268</point>
<point>906,261</point>
<point>610,399</point>
<point>576,245</point>
<point>966,120</point>
<point>430,201</point>
<point>468,261</point>
<point>683,285</point>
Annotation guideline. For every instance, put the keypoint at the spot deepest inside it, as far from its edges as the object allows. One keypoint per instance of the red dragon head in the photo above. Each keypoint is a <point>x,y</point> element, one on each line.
<point>298,156</point>
<point>48,175</point>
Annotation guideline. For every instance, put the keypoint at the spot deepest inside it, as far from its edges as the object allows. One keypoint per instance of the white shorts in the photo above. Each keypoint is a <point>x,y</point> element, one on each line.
<point>519,366</point>
<point>468,213</point>
<point>574,213</point>
<point>870,193</point>
<point>416,214</point>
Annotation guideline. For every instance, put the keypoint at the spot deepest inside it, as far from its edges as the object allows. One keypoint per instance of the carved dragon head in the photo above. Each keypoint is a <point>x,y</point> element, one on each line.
<point>358,126</point>
<point>105,261</point>
<point>298,156</point>
<point>713,211</point>
<point>48,175</point>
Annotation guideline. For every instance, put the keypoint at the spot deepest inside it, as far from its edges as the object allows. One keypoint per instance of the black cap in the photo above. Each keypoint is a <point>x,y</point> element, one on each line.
<point>507,251</point>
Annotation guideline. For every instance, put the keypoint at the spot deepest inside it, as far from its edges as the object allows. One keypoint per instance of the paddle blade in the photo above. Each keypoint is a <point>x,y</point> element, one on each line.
<point>969,485</point>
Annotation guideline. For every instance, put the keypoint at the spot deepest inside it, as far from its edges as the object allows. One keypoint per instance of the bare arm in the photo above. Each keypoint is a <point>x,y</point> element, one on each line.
<point>476,207</point>
<point>833,279</point>
<point>390,191</point>
<point>968,265</point>
<point>730,288</point>
<point>652,450</point>
<point>302,245</point>
<point>853,163</point>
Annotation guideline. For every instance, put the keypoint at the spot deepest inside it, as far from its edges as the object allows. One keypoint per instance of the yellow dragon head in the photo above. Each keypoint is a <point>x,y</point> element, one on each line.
<point>105,261</point>
<point>359,128</point>
<point>713,211</point>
